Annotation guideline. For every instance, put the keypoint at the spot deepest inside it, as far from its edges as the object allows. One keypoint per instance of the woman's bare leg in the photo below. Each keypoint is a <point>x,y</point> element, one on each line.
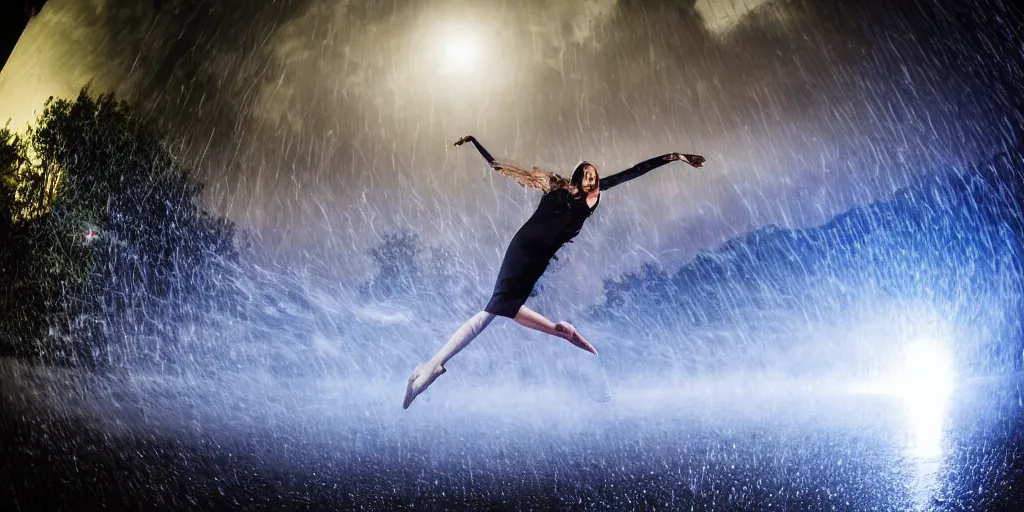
<point>425,374</point>
<point>536,321</point>
<point>461,337</point>
<point>428,372</point>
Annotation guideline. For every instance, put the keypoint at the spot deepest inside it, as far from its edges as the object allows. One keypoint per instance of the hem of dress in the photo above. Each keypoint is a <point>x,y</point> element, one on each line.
<point>502,312</point>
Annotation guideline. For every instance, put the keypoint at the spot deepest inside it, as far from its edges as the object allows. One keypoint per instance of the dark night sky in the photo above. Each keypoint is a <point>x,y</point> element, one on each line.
<point>320,123</point>
<point>13,17</point>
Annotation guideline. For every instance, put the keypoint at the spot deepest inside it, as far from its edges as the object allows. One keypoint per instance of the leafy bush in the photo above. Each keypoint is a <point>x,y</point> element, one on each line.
<point>104,237</point>
<point>434,279</point>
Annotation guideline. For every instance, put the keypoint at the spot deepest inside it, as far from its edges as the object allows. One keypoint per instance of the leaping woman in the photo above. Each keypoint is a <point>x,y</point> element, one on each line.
<point>564,207</point>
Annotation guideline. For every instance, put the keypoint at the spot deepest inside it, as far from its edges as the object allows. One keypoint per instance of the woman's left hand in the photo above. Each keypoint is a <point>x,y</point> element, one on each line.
<point>693,160</point>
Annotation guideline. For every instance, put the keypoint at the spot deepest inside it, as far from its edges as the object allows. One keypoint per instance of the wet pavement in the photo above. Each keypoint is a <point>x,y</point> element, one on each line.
<point>71,439</point>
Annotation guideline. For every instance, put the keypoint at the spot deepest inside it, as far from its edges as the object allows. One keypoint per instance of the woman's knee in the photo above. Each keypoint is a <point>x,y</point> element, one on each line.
<point>483,318</point>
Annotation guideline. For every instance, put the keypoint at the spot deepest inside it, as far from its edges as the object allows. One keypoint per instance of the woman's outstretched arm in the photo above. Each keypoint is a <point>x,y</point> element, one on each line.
<point>646,166</point>
<point>537,178</point>
<point>483,152</point>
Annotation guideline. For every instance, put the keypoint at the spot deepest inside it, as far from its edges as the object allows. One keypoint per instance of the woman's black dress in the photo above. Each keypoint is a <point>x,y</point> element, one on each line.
<point>558,220</point>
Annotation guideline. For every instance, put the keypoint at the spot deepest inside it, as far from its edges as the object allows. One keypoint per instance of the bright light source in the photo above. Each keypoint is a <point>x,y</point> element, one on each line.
<point>927,373</point>
<point>925,384</point>
<point>460,52</point>
<point>446,61</point>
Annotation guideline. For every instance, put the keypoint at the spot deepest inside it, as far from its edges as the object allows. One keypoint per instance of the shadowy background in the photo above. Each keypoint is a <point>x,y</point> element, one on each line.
<point>14,16</point>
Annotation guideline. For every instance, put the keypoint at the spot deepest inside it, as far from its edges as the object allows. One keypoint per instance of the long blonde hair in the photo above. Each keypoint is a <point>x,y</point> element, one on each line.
<point>537,178</point>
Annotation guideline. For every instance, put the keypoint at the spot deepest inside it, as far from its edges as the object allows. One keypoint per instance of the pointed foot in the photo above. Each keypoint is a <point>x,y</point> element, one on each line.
<point>418,382</point>
<point>573,336</point>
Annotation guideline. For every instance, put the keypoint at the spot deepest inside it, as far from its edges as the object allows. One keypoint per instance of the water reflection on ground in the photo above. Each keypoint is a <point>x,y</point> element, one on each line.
<point>723,442</point>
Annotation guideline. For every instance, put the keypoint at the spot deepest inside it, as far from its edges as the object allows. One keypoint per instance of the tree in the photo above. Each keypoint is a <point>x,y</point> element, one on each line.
<point>398,267</point>
<point>12,150</point>
<point>434,277</point>
<point>105,233</point>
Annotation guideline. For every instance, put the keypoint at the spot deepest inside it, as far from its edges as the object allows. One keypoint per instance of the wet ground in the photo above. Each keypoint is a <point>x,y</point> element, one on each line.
<point>70,440</point>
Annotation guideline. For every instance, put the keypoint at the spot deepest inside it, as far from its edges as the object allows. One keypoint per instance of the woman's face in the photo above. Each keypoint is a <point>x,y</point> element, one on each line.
<point>590,179</point>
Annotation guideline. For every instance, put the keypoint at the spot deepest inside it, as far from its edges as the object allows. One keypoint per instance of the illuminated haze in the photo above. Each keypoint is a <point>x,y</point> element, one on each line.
<point>320,125</point>
<point>867,351</point>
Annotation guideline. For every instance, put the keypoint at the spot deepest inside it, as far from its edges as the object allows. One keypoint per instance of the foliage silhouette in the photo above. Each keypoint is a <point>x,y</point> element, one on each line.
<point>104,236</point>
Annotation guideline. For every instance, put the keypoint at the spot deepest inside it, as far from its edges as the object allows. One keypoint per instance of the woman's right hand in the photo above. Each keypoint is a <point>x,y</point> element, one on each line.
<point>694,160</point>
<point>464,140</point>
